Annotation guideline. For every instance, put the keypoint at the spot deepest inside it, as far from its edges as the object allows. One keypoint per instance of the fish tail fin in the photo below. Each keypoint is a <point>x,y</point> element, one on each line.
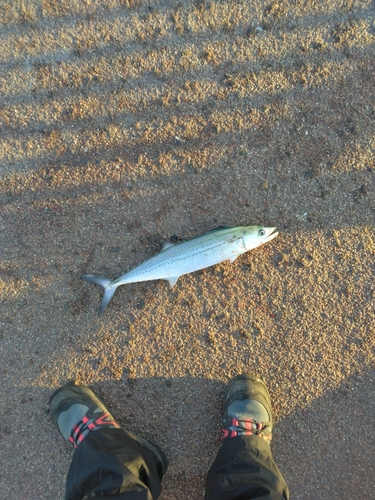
<point>109,289</point>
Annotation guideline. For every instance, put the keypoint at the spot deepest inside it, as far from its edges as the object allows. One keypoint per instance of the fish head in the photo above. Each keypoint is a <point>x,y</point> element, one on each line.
<point>254,236</point>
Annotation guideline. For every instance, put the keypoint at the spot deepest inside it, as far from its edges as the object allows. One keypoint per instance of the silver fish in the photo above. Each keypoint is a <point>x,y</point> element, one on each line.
<point>198,253</point>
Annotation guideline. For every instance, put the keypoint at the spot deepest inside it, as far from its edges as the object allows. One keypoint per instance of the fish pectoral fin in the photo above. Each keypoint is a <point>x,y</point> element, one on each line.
<point>172,281</point>
<point>167,244</point>
<point>232,259</point>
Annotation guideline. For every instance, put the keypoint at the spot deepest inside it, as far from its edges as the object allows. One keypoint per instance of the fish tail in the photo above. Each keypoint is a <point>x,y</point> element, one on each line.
<point>109,289</point>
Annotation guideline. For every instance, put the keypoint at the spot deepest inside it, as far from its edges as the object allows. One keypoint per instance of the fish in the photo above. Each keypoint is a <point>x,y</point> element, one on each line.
<point>175,260</point>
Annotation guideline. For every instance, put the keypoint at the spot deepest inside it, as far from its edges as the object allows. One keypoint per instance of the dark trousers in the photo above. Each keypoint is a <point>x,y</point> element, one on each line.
<point>113,464</point>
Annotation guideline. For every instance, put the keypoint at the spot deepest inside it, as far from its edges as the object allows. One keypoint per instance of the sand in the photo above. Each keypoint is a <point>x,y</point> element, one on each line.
<point>127,123</point>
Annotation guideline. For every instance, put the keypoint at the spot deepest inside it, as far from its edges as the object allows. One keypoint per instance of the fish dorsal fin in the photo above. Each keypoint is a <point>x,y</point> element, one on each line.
<point>172,281</point>
<point>218,229</point>
<point>167,244</point>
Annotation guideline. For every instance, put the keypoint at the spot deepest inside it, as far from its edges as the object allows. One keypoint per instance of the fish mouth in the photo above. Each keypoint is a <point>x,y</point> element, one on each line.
<point>273,233</point>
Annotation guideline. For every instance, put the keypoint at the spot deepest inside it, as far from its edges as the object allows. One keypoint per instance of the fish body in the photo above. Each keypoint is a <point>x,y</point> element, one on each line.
<point>200,252</point>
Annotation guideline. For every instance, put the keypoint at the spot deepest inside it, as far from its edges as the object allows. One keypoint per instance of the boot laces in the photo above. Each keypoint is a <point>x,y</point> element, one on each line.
<point>84,426</point>
<point>242,427</point>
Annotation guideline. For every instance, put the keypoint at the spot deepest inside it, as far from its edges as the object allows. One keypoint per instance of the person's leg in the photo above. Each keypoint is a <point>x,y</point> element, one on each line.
<point>244,468</point>
<point>108,461</point>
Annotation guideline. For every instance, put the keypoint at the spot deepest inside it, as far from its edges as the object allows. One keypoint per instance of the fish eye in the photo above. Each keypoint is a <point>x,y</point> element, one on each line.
<point>261,232</point>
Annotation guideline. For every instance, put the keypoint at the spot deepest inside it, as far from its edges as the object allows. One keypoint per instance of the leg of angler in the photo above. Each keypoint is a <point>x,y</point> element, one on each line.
<point>244,468</point>
<point>109,462</point>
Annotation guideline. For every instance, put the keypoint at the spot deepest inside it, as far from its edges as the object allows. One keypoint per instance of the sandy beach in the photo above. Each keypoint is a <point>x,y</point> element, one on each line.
<point>125,124</point>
